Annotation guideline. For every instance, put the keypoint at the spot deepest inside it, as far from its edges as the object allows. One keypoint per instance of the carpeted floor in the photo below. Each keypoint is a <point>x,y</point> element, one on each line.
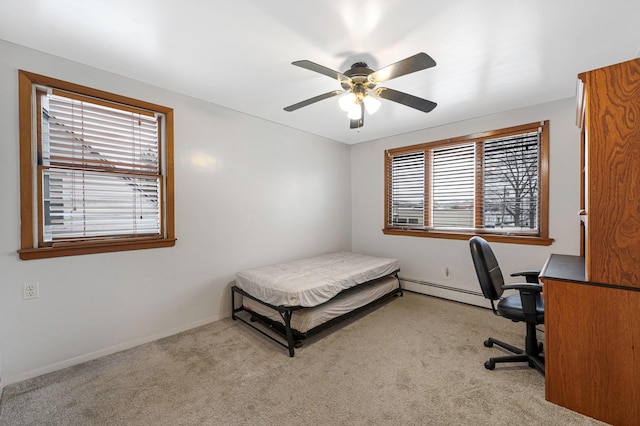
<point>415,360</point>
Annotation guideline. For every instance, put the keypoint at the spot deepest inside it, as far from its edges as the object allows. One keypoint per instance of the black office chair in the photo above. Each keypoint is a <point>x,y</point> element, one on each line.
<point>526,306</point>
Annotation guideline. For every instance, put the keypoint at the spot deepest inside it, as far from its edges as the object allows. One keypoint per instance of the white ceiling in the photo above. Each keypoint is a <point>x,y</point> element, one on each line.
<point>492,55</point>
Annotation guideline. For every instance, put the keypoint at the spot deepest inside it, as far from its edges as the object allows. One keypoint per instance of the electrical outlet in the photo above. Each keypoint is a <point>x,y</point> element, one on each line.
<point>30,290</point>
<point>447,273</point>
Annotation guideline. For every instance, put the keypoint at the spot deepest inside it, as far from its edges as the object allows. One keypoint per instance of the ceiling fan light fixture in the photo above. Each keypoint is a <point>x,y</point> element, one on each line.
<point>371,104</point>
<point>347,102</point>
<point>355,113</point>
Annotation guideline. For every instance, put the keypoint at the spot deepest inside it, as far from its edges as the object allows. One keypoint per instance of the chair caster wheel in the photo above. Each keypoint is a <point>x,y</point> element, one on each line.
<point>489,365</point>
<point>488,343</point>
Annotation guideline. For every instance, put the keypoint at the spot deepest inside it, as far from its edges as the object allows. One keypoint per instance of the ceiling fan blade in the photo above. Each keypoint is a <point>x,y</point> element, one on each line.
<point>312,66</point>
<point>417,62</point>
<point>405,99</point>
<point>313,100</point>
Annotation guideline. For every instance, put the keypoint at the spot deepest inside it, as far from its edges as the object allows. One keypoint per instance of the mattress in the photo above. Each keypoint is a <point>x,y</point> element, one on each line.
<point>305,319</point>
<point>312,281</point>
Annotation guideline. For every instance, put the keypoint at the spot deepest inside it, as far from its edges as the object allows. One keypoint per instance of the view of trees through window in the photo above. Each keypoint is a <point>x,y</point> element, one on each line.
<point>475,184</point>
<point>510,199</point>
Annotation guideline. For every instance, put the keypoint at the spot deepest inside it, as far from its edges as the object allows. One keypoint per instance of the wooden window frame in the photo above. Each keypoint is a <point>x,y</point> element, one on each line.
<point>31,194</point>
<point>542,238</point>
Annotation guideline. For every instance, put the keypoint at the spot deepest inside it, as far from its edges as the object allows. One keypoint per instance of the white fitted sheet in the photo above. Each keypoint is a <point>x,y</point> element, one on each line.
<point>312,281</point>
<point>305,319</point>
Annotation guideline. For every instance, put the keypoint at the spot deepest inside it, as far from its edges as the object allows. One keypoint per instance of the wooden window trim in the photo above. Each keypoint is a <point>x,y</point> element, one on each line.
<point>541,239</point>
<point>428,159</point>
<point>28,247</point>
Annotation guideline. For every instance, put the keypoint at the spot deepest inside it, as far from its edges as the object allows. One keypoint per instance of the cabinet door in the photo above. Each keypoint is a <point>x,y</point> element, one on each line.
<point>612,174</point>
<point>592,359</point>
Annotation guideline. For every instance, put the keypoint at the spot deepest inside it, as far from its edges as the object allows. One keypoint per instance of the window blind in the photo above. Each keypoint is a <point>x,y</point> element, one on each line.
<point>510,190</point>
<point>99,169</point>
<point>407,189</point>
<point>475,184</point>
<point>453,186</point>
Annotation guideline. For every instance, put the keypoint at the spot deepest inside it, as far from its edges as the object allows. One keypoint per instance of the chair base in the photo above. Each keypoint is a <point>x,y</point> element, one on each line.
<point>532,356</point>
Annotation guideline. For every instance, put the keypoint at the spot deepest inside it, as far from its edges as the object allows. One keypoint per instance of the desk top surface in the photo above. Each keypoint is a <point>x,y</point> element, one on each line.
<point>564,267</point>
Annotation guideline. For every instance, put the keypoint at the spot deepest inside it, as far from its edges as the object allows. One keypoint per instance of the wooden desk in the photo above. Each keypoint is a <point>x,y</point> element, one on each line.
<point>592,337</point>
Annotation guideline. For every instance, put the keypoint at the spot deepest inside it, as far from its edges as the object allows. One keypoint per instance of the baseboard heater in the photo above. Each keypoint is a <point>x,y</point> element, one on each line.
<point>440,286</point>
<point>446,287</point>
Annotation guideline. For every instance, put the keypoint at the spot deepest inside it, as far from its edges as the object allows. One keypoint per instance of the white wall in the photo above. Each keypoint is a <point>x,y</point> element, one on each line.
<point>248,193</point>
<point>424,259</point>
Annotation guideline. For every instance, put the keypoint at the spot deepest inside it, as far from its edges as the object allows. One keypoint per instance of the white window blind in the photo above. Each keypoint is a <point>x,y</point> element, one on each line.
<point>471,185</point>
<point>453,186</point>
<point>511,183</point>
<point>99,169</point>
<point>407,189</point>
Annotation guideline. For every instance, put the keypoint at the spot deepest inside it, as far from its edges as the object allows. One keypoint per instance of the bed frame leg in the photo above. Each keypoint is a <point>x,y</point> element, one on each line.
<point>233,304</point>
<point>286,316</point>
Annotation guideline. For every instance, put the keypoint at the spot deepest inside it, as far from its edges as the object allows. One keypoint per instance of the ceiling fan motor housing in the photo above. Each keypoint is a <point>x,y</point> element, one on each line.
<point>358,74</point>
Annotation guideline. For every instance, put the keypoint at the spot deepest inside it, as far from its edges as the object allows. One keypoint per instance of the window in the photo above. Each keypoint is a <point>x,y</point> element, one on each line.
<point>95,171</point>
<point>494,184</point>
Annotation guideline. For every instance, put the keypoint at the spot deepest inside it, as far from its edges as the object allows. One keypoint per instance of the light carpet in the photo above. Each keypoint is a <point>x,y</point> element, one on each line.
<point>415,360</point>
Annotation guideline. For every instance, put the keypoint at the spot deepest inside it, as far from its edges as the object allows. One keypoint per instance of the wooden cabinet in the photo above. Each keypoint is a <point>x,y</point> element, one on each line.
<point>592,331</point>
<point>592,303</point>
<point>609,115</point>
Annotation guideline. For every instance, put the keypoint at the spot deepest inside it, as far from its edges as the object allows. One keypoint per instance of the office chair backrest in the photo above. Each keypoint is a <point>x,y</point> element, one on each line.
<point>487,268</point>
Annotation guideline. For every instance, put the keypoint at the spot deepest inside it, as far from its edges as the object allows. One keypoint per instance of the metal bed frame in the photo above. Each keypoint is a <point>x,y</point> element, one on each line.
<point>292,336</point>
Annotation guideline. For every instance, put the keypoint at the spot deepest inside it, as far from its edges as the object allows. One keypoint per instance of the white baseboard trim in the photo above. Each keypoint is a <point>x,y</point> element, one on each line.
<point>417,286</point>
<point>104,352</point>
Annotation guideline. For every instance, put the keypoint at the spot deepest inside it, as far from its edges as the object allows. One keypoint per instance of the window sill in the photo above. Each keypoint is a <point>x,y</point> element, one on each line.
<point>92,248</point>
<point>510,239</point>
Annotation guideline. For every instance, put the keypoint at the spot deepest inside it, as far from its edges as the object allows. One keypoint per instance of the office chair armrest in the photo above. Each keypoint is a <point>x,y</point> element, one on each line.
<point>536,288</point>
<point>530,275</point>
<point>530,296</point>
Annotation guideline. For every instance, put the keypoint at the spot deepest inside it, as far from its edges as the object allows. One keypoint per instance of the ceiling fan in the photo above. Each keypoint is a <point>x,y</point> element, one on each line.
<point>359,87</point>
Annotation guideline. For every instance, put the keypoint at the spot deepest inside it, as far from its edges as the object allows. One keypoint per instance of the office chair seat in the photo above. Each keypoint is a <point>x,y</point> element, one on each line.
<point>511,307</point>
<point>526,306</point>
